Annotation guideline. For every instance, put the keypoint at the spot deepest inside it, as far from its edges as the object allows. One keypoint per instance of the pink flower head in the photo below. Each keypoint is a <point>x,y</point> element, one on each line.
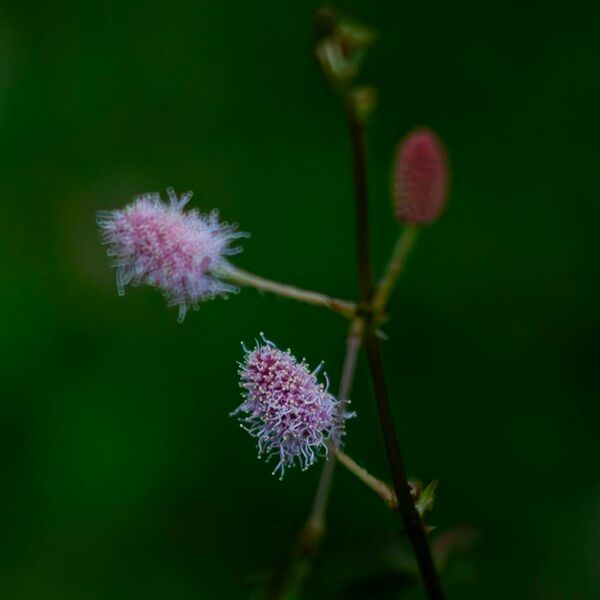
<point>420,177</point>
<point>180,253</point>
<point>286,409</point>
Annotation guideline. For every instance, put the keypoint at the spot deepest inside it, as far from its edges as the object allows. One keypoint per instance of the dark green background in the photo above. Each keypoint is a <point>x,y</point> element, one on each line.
<point>122,475</point>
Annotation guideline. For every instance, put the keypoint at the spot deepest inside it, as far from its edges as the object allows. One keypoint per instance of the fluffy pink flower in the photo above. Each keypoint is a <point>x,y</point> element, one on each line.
<point>286,409</point>
<point>420,177</point>
<point>180,253</point>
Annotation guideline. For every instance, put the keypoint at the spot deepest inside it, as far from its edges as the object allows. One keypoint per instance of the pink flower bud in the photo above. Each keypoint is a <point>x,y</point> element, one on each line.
<point>420,185</point>
<point>180,253</point>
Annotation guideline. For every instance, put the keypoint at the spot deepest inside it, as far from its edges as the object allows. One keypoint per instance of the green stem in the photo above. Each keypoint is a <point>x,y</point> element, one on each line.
<point>378,486</point>
<point>244,278</point>
<point>394,268</point>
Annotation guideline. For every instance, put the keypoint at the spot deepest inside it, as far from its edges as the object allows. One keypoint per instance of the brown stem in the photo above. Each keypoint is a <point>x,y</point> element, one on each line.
<point>363,250</point>
<point>412,522</point>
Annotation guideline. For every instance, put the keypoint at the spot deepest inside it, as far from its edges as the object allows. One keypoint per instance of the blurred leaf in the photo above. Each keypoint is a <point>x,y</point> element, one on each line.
<point>458,540</point>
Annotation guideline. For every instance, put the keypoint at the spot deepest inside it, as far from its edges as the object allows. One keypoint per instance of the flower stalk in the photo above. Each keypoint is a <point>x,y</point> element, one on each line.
<point>379,487</point>
<point>294,569</point>
<point>240,277</point>
<point>314,527</point>
<point>394,268</point>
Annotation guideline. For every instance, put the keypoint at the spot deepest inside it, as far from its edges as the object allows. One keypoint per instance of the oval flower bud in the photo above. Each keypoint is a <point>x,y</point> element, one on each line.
<point>420,185</point>
<point>180,253</point>
<point>286,409</point>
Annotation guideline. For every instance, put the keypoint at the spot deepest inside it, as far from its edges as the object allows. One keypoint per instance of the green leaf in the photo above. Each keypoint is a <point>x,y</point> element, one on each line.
<point>426,498</point>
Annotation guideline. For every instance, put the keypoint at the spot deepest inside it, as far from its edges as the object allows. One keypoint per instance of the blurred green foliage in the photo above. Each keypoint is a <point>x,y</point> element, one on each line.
<point>122,474</point>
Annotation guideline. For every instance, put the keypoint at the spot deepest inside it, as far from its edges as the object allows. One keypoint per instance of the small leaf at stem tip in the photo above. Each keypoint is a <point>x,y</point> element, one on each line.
<point>426,498</point>
<point>382,335</point>
<point>340,46</point>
